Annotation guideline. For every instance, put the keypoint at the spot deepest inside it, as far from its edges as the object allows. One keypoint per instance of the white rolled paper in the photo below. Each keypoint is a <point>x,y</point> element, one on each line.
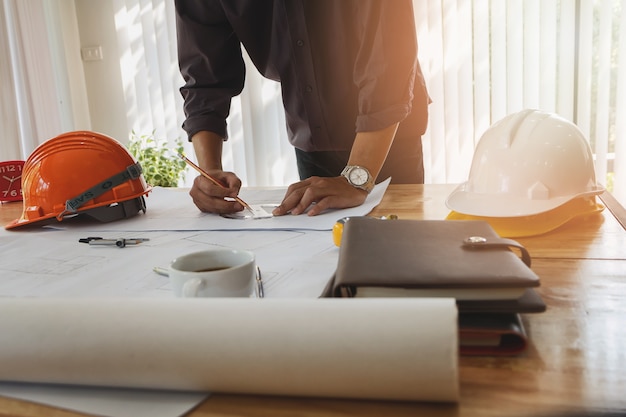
<point>392,349</point>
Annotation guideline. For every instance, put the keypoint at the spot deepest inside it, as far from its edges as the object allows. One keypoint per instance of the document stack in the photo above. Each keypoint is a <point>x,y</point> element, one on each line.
<point>489,277</point>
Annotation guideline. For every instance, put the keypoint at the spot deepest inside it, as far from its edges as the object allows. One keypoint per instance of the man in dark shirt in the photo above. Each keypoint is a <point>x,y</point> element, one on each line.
<point>351,87</point>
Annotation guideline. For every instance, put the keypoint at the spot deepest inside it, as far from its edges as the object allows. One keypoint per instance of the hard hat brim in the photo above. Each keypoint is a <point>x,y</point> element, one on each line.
<point>52,217</point>
<point>537,224</point>
<point>463,201</point>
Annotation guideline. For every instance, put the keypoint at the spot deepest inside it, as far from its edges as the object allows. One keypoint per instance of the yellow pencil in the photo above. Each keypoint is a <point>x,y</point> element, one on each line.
<point>210,178</point>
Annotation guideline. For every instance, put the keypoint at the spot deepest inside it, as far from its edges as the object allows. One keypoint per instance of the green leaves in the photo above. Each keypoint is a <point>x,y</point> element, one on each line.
<point>161,164</point>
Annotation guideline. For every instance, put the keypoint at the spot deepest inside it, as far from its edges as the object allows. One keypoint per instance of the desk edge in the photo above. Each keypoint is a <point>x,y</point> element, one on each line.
<point>614,207</point>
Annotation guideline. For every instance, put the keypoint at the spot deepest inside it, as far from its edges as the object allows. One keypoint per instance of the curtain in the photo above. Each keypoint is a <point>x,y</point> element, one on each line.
<point>485,59</point>
<point>482,60</point>
<point>146,39</point>
<point>38,101</point>
<point>257,149</point>
<point>8,98</point>
<point>28,103</point>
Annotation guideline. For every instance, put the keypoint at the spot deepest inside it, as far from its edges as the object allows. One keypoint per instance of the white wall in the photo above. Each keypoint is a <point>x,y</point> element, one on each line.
<point>103,78</point>
<point>74,77</point>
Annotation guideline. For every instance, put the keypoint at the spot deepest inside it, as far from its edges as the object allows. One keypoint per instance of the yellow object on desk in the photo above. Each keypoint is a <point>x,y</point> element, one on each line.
<point>338,227</point>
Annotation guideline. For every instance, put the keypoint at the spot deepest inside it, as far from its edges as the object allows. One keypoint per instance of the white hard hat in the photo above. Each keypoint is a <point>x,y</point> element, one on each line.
<point>527,163</point>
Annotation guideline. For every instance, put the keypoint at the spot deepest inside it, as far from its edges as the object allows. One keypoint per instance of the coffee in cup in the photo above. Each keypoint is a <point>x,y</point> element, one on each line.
<point>219,272</point>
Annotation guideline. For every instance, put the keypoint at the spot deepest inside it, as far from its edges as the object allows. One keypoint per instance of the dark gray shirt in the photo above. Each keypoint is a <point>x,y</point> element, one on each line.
<point>344,66</point>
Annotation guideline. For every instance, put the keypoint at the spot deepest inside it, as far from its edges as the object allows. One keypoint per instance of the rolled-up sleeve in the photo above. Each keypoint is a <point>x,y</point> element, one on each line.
<point>211,63</point>
<point>386,65</point>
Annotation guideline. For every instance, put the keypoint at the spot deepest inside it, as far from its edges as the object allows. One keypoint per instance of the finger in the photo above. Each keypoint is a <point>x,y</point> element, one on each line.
<point>288,203</point>
<point>310,196</point>
<point>291,199</point>
<point>205,186</point>
<point>300,196</point>
<point>338,199</point>
<point>231,182</point>
<point>210,198</point>
<point>215,205</point>
<point>320,206</point>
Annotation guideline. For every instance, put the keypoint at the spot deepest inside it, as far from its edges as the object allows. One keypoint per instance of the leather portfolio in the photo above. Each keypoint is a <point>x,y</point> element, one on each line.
<point>464,259</point>
<point>489,334</point>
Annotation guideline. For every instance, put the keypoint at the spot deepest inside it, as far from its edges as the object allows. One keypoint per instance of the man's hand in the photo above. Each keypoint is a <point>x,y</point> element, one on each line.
<point>320,193</point>
<point>211,198</point>
<point>370,148</point>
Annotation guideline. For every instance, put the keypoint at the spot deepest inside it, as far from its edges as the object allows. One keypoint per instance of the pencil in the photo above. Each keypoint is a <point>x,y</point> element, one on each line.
<point>210,178</point>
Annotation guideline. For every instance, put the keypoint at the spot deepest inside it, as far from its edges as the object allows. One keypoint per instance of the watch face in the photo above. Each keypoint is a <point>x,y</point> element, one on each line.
<point>358,176</point>
<point>11,180</point>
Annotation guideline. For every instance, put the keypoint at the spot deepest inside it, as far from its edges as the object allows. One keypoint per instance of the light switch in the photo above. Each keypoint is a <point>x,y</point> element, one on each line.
<point>91,53</point>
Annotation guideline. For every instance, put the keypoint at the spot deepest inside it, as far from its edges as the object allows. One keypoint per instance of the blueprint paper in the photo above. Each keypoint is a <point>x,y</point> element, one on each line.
<point>52,263</point>
<point>106,402</point>
<point>172,209</point>
<point>296,261</point>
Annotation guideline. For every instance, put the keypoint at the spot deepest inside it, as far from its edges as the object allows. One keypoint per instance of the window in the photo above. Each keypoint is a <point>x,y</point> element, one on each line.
<point>482,59</point>
<point>485,59</point>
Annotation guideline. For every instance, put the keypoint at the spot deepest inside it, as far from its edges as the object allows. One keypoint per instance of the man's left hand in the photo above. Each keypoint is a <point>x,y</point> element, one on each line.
<point>320,193</point>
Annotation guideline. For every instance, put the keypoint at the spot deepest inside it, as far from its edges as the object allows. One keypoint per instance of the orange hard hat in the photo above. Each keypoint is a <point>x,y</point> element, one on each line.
<point>81,172</point>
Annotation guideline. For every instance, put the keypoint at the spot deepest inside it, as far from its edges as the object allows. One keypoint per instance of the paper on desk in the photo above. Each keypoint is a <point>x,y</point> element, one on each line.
<point>173,209</point>
<point>110,402</point>
<point>400,349</point>
<point>52,263</point>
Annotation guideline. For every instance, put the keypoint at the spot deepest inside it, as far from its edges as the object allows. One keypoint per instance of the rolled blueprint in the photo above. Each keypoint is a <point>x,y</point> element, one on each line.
<point>392,349</point>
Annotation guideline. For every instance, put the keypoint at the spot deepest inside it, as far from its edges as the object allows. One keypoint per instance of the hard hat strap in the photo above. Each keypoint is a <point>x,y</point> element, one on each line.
<point>73,204</point>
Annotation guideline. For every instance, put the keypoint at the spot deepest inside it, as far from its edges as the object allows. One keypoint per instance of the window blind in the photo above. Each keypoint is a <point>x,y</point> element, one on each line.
<point>482,60</point>
<point>566,57</point>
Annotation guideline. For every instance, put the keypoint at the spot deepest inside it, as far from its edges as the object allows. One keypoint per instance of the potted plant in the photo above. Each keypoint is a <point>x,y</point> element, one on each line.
<point>161,164</point>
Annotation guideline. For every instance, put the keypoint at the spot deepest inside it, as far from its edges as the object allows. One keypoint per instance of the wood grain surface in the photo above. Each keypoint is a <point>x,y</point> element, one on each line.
<point>576,360</point>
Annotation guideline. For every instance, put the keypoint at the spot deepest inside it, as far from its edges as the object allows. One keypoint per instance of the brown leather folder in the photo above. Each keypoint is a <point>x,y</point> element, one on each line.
<point>530,302</point>
<point>491,334</point>
<point>466,260</point>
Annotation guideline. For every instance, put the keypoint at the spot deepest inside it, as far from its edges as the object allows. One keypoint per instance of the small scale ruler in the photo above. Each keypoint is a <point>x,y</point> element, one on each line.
<point>256,211</point>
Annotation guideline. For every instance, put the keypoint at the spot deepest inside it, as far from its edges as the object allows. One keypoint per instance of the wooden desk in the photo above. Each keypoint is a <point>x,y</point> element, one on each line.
<point>577,355</point>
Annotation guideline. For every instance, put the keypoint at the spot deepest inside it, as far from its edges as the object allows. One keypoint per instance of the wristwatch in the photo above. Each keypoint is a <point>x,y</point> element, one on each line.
<point>359,177</point>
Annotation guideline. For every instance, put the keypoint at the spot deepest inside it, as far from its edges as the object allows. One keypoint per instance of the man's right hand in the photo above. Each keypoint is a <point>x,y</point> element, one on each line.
<point>207,196</point>
<point>211,198</point>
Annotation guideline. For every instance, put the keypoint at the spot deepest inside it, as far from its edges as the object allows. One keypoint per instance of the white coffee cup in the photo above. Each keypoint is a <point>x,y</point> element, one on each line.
<point>214,273</point>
